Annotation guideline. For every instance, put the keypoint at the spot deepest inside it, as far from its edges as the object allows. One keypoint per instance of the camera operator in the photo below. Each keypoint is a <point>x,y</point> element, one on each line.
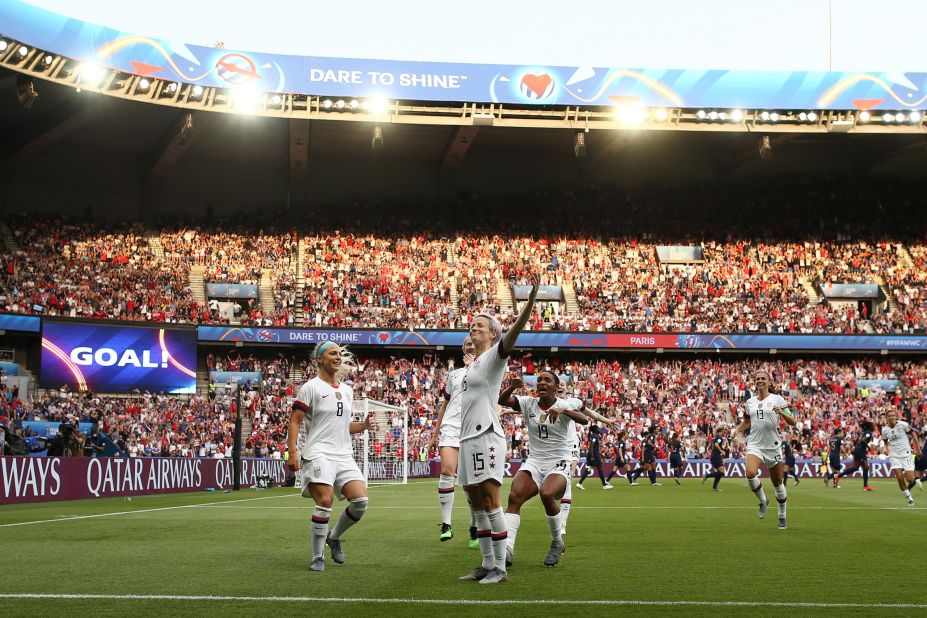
<point>95,443</point>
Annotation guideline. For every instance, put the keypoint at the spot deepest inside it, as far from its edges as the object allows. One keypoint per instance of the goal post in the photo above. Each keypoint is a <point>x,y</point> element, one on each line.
<point>382,455</point>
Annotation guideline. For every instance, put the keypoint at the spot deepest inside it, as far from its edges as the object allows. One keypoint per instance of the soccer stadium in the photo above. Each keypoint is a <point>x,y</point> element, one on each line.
<point>525,309</point>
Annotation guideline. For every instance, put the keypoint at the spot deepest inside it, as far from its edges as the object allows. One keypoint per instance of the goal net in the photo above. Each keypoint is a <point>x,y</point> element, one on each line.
<point>382,455</point>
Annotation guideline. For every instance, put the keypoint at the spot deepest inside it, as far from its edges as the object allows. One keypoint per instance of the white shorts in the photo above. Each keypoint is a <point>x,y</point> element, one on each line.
<point>482,457</point>
<point>448,436</point>
<point>325,471</point>
<point>541,469</point>
<point>905,464</point>
<point>769,456</point>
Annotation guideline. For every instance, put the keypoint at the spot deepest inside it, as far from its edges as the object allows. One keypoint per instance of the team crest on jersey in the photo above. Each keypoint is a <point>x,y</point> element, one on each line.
<point>338,395</point>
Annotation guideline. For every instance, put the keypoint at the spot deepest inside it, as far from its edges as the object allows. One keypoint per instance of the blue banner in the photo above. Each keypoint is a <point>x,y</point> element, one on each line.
<point>28,323</point>
<point>50,430</point>
<point>576,341</point>
<point>538,83</point>
<point>880,385</point>
<point>9,369</point>
<point>235,377</point>
<point>117,359</point>
<point>850,291</point>
<point>231,290</point>
<point>674,254</point>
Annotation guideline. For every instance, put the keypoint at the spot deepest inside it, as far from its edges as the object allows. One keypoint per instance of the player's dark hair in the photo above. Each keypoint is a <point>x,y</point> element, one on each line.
<point>556,377</point>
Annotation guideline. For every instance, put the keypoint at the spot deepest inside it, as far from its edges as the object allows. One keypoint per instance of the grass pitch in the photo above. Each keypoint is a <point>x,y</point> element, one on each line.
<point>635,550</point>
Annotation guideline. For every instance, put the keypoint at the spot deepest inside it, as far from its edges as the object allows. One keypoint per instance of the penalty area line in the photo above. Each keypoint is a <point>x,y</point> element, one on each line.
<point>591,602</point>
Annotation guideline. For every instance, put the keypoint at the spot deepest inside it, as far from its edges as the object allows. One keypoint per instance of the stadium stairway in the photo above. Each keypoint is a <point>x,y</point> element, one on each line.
<point>813,297</point>
<point>202,382</point>
<point>300,283</point>
<point>506,295</point>
<point>297,377</point>
<point>154,243</point>
<point>905,256</point>
<point>569,296</point>
<point>9,241</point>
<point>266,292</point>
<point>451,254</point>
<point>197,285</point>
<point>892,303</point>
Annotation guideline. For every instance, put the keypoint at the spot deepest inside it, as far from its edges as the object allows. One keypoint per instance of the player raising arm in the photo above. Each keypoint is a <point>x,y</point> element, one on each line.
<point>482,440</point>
<point>322,408</point>
<point>761,426</point>
<point>548,467</point>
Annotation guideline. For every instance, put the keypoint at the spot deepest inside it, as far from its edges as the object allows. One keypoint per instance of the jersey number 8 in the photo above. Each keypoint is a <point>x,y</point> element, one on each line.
<point>340,409</point>
<point>542,432</point>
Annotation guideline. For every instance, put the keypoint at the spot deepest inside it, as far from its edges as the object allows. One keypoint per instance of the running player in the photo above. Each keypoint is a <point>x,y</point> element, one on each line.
<point>761,426</point>
<point>449,444</point>
<point>788,460</point>
<point>899,435</point>
<point>547,468</point>
<point>834,458</point>
<point>860,455</point>
<point>322,408</point>
<point>594,458</point>
<point>677,461</point>
<point>482,440</point>
<point>622,464</point>
<point>716,458</point>
<point>648,463</point>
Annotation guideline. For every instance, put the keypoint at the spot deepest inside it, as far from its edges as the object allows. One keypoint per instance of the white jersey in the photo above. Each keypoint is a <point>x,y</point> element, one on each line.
<point>328,418</point>
<point>764,422</point>
<point>897,439</point>
<point>573,404</point>
<point>452,394</point>
<point>479,394</point>
<point>547,441</point>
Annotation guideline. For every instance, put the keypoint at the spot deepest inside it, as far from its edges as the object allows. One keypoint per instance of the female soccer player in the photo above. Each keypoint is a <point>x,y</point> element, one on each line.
<point>547,469</point>
<point>449,443</point>
<point>594,459</point>
<point>860,455</point>
<point>761,426</point>
<point>716,458</point>
<point>899,437</point>
<point>482,440</point>
<point>323,409</point>
<point>677,462</point>
<point>622,465</point>
<point>788,463</point>
<point>648,463</point>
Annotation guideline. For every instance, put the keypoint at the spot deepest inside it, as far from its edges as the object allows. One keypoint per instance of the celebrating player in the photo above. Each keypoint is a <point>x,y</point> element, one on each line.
<point>449,443</point>
<point>834,458</point>
<point>761,426</point>
<point>860,455</point>
<point>899,435</point>
<point>677,462</point>
<point>482,441</point>
<point>323,409</point>
<point>648,463</point>
<point>547,468</point>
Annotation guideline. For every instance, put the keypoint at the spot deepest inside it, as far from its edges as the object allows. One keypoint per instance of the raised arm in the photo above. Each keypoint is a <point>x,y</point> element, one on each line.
<point>511,336</point>
<point>505,397</point>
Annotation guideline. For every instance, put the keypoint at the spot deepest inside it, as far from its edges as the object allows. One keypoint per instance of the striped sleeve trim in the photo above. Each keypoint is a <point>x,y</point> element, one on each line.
<point>299,405</point>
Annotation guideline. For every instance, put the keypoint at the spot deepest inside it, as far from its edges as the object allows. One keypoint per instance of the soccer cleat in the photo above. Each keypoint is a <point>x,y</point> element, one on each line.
<point>553,556</point>
<point>446,533</point>
<point>715,489</point>
<point>919,484</point>
<point>656,485</point>
<point>509,556</point>
<point>580,486</point>
<point>782,524</point>
<point>318,564</point>
<point>910,501</point>
<point>797,481</point>
<point>607,486</point>
<point>337,552</point>
<point>868,488</point>
<point>495,576</point>
<point>473,544</point>
<point>836,481</point>
<point>677,482</point>
<point>763,506</point>
<point>633,483</point>
<point>476,575</point>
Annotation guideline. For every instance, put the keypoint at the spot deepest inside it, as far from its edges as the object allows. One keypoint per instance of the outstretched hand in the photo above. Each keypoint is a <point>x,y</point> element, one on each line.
<point>516,383</point>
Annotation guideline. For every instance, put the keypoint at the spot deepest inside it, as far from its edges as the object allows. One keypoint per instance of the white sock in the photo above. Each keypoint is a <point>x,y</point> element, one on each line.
<point>756,486</point>
<point>566,502</point>
<point>553,524</point>
<point>350,516</point>
<point>499,536</point>
<point>484,534</point>
<point>781,497</point>
<point>906,493</point>
<point>446,497</point>
<point>512,521</point>
<point>319,527</point>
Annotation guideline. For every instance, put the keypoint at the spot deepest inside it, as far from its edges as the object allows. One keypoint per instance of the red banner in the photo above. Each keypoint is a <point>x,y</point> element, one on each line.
<point>39,479</point>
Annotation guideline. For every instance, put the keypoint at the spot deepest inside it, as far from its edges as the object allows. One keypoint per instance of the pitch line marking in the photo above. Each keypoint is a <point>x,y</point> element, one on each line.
<point>593,602</point>
<point>220,505</point>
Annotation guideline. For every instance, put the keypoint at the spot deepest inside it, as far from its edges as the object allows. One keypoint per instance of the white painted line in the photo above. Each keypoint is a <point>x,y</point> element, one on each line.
<point>632,602</point>
<point>113,514</point>
<point>618,508</point>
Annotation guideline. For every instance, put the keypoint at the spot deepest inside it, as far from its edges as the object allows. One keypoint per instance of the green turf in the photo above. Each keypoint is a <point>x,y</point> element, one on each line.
<point>633,543</point>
